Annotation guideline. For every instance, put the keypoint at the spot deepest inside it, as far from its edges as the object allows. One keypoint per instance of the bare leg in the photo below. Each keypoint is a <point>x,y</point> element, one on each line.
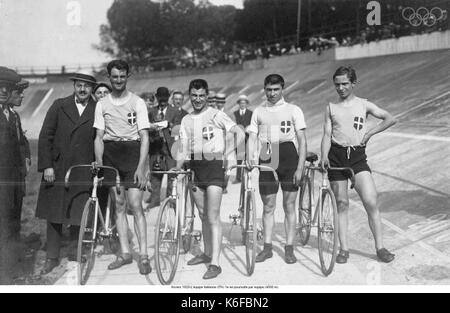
<point>213,200</point>
<point>365,186</point>
<point>135,204</point>
<point>340,190</point>
<point>269,202</point>
<point>290,220</point>
<point>121,218</point>
<point>200,200</point>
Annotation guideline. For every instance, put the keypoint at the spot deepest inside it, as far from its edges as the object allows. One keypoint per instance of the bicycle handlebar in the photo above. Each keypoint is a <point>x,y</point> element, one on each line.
<point>94,169</point>
<point>252,167</point>
<point>178,173</point>
<point>338,169</point>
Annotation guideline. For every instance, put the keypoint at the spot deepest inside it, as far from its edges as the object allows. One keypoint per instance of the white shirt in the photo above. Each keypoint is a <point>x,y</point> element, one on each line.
<point>80,106</point>
<point>242,112</point>
<point>163,112</point>
<point>6,113</point>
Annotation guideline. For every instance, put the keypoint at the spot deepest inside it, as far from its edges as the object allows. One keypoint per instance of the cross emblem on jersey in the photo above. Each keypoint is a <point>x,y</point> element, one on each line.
<point>132,118</point>
<point>208,133</point>
<point>286,127</point>
<point>359,123</point>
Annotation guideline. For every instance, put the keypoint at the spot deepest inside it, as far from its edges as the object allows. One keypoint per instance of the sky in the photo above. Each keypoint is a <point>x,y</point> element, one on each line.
<point>52,33</point>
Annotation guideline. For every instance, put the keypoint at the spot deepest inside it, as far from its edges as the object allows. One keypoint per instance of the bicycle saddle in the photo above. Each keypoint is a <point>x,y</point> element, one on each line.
<point>311,157</point>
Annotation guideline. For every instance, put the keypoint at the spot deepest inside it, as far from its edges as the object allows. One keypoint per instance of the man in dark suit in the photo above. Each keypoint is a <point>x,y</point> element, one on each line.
<point>243,117</point>
<point>9,176</point>
<point>66,139</point>
<point>15,100</point>
<point>177,102</point>
<point>163,118</point>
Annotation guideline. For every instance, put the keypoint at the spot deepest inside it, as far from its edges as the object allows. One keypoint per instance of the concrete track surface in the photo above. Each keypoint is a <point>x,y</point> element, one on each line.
<point>411,165</point>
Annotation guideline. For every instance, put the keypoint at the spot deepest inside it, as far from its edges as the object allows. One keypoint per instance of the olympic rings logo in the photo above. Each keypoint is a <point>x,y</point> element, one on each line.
<point>424,16</point>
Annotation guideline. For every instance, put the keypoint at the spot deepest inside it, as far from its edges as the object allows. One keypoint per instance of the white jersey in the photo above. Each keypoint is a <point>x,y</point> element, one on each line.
<point>277,124</point>
<point>204,133</point>
<point>121,119</point>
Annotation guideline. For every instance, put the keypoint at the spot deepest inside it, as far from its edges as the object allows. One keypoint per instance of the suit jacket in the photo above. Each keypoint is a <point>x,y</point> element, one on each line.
<point>162,144</point>
<point>243,120</point>
<point>9,144</point>
<point>9,174</point>
<point>24,145</point>
<point>66,139</point>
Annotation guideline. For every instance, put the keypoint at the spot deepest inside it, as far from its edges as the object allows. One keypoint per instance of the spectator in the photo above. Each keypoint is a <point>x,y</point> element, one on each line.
<point>101,91</point>
<point>149,99</point>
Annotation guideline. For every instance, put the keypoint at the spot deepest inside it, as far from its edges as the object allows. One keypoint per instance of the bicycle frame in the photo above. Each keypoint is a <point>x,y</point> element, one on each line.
<point>96,181</point>
<point>180,214</point>
<point>310,172</point>
<point>247,184</point>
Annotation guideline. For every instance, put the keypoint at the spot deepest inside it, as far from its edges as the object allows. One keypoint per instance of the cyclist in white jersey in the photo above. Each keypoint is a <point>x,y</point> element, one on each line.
<point>280,128</point>
<point>202,141</point>
<point>344,145</point>
<point>122,141</point>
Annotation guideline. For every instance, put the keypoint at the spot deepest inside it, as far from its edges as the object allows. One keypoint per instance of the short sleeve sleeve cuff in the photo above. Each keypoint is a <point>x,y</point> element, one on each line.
<point>99,122</point>
<point>143,121</point>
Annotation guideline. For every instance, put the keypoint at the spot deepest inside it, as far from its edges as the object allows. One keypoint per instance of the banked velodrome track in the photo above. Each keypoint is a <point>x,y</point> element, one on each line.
<point>411,164</point>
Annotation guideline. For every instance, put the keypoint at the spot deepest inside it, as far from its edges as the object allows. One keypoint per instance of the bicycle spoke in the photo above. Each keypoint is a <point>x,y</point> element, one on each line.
<point>87,242</point>
<point>304,213</point>
<point>167,243</point>
<point>327,233</point>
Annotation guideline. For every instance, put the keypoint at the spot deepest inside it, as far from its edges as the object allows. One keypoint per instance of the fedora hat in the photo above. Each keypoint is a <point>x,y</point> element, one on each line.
<point>84,78</point>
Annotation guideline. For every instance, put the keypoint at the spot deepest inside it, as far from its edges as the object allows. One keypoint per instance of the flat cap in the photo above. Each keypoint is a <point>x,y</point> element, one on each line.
<point>8,76</point>
<point>23,84</point>
<point>103,84</point>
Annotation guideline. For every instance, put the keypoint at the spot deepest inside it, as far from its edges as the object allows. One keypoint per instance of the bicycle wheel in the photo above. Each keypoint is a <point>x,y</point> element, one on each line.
<point>87,242</point>
<point>251,232</point>
<point>242,205</point>
<point>167,250</point>
<point>111,243</point>
<point>304,212</point>
<point>328,232</point>
<point>188,221</point>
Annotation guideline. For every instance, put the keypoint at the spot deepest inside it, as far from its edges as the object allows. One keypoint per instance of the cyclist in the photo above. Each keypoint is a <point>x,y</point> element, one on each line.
<point>122,142</point>
<point>346,135</point>
<point>202,138</point>
<point>280,128</point>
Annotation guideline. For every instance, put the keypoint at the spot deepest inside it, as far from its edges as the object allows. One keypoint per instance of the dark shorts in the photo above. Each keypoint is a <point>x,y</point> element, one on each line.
<point>288,162</point>
<point>208,173</point>
<point>355,158</point>
<point>124,156</point>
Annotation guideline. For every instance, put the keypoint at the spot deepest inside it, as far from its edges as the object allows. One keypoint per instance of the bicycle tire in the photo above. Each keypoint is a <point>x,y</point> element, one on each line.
<point>251,233</point>
<point>241,209</point>
<point>305,212</point>
<point>328,232</point>
<point>112,244</point>
<point>167,261</point>
<point>87,242</point>
<point>189,221</point>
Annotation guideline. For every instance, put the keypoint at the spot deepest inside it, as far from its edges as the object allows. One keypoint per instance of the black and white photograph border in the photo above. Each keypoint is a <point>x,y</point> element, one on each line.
<point>400,50</point>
